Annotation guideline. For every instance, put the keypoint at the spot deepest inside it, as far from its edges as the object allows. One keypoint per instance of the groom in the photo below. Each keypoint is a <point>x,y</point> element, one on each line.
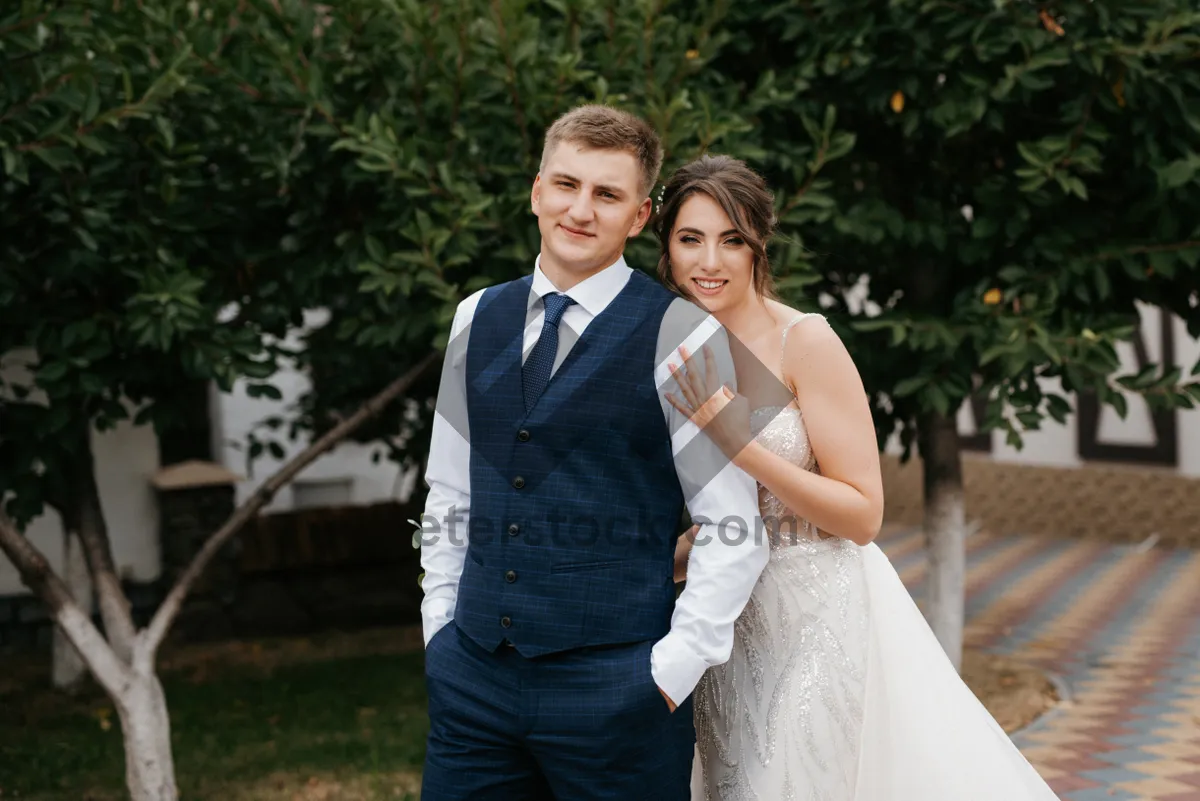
<point>559,663</point>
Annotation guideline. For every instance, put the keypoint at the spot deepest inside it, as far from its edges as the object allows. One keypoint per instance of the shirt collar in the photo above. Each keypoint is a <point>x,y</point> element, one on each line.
<point>594,293</point>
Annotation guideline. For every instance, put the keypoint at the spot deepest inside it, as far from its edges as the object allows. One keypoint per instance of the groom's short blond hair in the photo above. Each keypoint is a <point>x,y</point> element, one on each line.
<point>595,127</point>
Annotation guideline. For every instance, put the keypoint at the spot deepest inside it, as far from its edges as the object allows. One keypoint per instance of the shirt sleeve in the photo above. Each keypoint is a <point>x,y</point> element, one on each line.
<point>444,523</point>
<point>730,550</point>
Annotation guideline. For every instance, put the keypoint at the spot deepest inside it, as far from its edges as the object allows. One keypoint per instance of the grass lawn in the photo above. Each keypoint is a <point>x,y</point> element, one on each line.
<point>300,721</point>
<point>331,718</point>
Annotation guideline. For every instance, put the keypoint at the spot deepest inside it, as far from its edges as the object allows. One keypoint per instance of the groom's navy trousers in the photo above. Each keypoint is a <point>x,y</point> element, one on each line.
<point>577,725</point>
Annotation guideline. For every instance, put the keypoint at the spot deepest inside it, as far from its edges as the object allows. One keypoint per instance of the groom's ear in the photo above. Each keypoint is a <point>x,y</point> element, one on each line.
<point>535,194</point>
<point>643,217</point>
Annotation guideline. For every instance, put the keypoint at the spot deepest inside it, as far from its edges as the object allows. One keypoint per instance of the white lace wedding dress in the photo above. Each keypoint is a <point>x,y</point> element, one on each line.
<point>837,689</point>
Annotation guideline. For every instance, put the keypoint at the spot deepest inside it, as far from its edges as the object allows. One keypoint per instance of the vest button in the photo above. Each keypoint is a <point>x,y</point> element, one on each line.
<point>513,529</point>
<point>506,621</point>
<point>518,482</point>
<point>510,576</point>
<point>523,435</point>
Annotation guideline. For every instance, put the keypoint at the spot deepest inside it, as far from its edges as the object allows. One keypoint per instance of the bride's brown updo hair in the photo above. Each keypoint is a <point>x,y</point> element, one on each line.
<point>737,189</point>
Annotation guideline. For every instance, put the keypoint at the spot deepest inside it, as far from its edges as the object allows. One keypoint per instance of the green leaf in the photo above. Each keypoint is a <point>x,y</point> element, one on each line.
<point>57,158</point>
<point>840,144</point>
<point>995,352</point>
<point>13,163</point>
<point>92,105</point>
<point>166,131</point>
<point>1029,154</point>
<point>1013,438</point>
<point>1119,404</point>
<point>1144,377</point>
<point>1032,420</point>
<point>879,324</point>
<point>1177,174</point>
<point>1075,186</point>
<point>376,250</point>
<point>1058,408</point>
<point>268,391</point>
<point>909,386</point>
<point>51,372</point>
<point>86,238</point>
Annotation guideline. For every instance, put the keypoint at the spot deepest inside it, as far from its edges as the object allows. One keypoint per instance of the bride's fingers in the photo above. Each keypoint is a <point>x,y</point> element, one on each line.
<point>684,387</point>
<point>684,410</point>
<point>712,385</point>
<point>695,377</point>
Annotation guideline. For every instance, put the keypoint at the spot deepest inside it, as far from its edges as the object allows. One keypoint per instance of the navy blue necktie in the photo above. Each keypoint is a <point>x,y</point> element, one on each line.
<point>535,375</point>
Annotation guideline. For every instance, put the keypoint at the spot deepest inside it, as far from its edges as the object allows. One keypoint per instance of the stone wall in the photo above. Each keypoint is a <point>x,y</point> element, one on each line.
<point>25,621</point>
<point>292,573</point>
<point>1106,502</point>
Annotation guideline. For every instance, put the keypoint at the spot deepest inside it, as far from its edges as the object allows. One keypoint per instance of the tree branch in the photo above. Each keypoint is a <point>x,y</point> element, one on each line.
<point>1116,254</point>
<point>25,23</point>
<point>46,90</point>
<point>165,616</point>
<point>818,163</point>
<point>93,533</point>
<point>37,576</point>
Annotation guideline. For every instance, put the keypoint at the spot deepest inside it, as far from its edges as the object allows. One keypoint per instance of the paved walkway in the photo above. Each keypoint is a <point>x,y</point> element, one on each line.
<point>1121,626</point>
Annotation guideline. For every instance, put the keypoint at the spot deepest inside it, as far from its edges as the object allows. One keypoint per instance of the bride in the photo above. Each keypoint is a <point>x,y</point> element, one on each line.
<point>836,688</point>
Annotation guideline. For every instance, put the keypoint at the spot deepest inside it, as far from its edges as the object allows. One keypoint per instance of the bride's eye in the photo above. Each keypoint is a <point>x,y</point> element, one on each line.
<point>736,241</point>
<point>688,239</point>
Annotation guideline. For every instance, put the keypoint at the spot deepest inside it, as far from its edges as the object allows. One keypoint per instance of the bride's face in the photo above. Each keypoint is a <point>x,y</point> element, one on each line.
<point>709,259</point>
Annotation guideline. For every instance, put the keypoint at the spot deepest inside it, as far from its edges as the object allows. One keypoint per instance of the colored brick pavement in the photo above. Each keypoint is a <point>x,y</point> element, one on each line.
<point>1120,625</point>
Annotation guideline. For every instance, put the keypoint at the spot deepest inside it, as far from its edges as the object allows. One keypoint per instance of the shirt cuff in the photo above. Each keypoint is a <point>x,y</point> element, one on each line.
<point>675,668</point>
<point>434,615</point>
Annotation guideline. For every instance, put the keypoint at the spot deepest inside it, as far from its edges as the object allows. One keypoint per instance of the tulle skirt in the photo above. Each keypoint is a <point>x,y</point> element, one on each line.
<point>838,690</point>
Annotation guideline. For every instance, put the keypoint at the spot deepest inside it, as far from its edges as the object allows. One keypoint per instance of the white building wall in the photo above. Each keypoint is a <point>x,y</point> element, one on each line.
<point>126,458</point>
<point>1056,444</point>
<point>345,475</point>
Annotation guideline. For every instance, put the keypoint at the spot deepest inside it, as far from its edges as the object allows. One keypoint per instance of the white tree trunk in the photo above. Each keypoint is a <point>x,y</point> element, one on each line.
<point>69,668</point>
<point>149,766</point>
<point>122,659</point>
<point>945,532</point>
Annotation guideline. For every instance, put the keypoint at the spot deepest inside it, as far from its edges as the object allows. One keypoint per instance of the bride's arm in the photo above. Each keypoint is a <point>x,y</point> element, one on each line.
<point>846,499</point>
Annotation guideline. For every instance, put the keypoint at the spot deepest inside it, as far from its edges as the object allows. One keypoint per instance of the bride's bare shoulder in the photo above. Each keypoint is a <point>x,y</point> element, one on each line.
<point>799,326</point>
<point>812,350</point>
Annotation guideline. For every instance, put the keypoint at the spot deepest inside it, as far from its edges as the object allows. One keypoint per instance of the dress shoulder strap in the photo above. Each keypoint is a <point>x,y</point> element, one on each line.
<point>787,328</point>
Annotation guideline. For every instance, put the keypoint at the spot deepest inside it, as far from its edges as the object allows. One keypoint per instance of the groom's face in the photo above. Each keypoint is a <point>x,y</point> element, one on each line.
<point>588,202</point>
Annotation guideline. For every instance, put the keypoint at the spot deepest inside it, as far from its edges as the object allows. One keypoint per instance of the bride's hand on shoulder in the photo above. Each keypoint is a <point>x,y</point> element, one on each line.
<point>723,415</point>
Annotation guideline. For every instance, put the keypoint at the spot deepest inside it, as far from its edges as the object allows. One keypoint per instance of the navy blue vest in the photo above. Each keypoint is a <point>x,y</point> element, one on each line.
<point>575,505</point>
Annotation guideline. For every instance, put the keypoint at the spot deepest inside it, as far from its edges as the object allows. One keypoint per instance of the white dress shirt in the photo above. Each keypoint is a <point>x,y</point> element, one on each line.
<point>722,571</point>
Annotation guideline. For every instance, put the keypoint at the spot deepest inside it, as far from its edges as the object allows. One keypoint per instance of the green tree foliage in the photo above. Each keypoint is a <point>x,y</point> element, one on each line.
<point>1003,181</point>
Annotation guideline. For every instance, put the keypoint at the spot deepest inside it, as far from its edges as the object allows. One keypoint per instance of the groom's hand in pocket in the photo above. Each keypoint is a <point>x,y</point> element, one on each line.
<point>670,704</point>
